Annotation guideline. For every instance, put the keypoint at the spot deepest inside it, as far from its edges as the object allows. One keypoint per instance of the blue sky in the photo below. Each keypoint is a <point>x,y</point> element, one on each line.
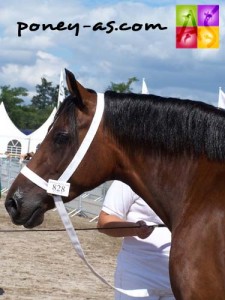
<point>97,58</point>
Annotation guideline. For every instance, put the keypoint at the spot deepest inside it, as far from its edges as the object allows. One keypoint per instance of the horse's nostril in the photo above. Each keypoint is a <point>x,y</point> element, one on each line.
<point>12,206</point>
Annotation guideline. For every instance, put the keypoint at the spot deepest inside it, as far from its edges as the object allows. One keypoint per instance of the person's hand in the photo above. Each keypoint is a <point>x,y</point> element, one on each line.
<point>143,231</point>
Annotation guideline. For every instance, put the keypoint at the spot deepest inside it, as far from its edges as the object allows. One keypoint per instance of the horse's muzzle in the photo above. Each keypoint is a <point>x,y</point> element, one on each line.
<point>27,215</point>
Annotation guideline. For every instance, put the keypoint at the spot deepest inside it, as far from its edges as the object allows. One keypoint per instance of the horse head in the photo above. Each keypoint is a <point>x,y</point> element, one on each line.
<point>26,202</point>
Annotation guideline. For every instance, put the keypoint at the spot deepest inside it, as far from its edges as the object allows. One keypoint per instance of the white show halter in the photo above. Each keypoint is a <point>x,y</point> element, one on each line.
<point>61,188</point>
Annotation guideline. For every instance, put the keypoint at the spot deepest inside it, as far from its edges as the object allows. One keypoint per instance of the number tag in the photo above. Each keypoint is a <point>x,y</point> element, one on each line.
<point>58,188</point>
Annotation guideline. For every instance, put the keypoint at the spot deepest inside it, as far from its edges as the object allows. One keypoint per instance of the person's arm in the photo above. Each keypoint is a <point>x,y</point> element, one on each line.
<point>139,228</point>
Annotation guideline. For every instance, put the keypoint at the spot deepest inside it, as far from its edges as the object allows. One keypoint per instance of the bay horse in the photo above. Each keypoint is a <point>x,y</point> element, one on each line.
<point>170,151</point>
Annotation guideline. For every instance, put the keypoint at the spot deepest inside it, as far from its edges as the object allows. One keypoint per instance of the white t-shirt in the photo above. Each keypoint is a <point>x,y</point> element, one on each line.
<point>121,201</point>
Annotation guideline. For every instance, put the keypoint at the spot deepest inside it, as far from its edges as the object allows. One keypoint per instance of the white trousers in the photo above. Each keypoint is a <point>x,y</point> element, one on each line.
<point>143,271</point>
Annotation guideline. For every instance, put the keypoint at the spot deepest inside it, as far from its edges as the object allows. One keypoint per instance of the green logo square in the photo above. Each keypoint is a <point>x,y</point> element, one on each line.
<point>186,15</point>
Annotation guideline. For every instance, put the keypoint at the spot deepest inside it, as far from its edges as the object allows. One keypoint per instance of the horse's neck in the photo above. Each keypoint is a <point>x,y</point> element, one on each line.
<point>164,183</point>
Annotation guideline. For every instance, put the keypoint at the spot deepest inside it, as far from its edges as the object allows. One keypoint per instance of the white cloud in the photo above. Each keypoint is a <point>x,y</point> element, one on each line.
<point>98,58</point>
<point>46,65</point>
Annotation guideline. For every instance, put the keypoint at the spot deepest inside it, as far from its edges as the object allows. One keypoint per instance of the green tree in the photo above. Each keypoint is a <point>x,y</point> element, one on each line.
<point>30,116</point>
<point>123,87</point>
<point>12,99</point>
<point>47,95</point>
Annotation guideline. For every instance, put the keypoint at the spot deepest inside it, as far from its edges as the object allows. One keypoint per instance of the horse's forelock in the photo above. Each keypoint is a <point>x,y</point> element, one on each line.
<point>66,111</point>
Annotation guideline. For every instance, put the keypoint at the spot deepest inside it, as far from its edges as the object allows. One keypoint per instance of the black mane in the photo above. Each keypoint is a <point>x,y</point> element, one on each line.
<point>165,125</point>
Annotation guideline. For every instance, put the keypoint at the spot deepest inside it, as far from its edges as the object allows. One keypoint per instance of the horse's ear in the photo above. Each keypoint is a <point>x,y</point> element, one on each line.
<point>76,90</point>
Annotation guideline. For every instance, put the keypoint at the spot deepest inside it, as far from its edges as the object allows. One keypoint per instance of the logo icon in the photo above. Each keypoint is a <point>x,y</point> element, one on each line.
<point>197,26</point>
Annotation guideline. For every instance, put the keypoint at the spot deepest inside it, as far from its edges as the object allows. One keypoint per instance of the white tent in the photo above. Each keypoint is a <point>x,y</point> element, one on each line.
<point>38,135</point>
<point>14,141</point>
<point>221,99</point>
<point>11,138</point>
<point>144,89</point>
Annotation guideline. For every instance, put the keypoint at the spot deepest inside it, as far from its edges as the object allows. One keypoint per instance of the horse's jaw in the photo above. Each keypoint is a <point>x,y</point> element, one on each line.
<point>36,218</point>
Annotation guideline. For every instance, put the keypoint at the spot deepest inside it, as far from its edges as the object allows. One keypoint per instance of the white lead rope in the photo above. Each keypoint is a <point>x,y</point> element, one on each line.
<point>75,241</point>
<point>56,187</point>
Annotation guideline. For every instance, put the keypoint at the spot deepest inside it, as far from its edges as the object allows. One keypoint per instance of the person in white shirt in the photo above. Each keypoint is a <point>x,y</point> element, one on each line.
<point>142,262</point>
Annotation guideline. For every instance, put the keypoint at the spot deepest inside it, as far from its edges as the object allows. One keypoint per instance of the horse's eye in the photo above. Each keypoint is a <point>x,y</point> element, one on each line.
<point>61,138</point>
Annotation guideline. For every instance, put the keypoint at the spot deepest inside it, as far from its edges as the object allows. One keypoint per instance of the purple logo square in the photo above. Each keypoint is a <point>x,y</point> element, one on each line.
<point>208,15</point>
